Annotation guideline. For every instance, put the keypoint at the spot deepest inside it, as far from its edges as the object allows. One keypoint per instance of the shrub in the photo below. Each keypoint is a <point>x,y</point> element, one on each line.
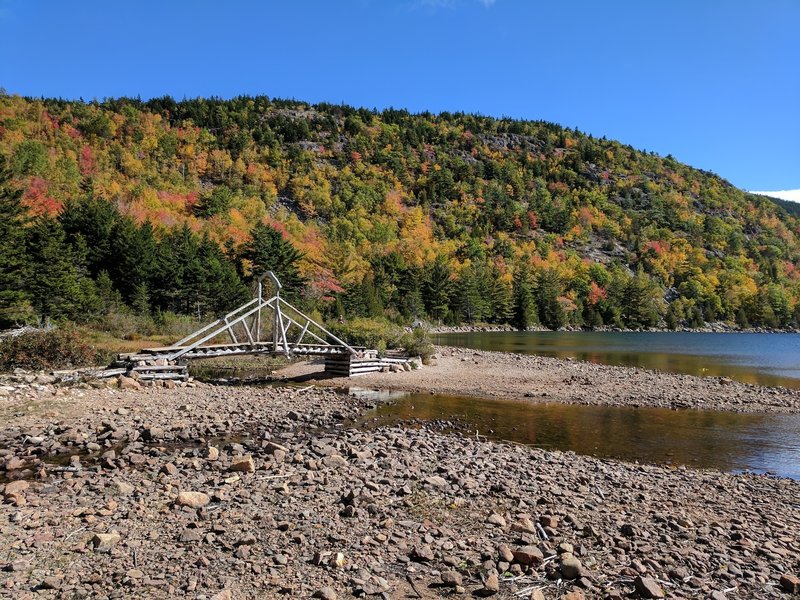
<point>381,334</point>
<point>49,349</point>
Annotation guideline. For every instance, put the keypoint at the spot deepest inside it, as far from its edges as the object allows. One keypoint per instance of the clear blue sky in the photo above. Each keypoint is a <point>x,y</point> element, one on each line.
<point>715,83</point>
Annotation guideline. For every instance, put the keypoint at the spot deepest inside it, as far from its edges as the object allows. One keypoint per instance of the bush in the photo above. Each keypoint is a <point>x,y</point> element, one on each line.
<point>380,334</point>
<point>49,349</point>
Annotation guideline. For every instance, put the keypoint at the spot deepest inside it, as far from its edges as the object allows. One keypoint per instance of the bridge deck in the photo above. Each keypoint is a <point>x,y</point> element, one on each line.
<point>212,350</point>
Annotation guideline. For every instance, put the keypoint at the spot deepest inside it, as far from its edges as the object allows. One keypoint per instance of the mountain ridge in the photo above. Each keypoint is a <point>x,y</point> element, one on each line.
<point>376,199</point>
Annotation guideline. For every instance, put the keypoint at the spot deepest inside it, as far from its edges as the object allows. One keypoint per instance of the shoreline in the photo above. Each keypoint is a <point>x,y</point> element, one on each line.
<point>509,376</point>
<point>709,328</point>
<point>286,501</point>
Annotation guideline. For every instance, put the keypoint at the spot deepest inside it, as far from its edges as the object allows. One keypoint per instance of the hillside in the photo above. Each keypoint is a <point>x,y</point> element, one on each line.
<point>448,217</point>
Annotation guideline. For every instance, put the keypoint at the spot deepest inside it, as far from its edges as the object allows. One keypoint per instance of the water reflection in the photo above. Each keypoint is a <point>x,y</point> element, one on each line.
<point>703,439</point>
<point>760,358</point>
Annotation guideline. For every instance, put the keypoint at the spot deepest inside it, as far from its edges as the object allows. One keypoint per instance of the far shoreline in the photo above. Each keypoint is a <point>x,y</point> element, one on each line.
<point>531,378</point>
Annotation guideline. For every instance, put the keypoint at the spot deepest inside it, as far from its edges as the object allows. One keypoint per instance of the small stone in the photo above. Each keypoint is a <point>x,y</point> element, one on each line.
<point>717,595</point>
<point>537,595</point>
<point>496,519</point>
<point>492,584</point>
<point>504,553</point>
<point>135,574</point>
<point>573,595</point>
<point>790,583</point>
<point>243,464</point>
<point>190,535</point>
<point>326,593</point>
<point>16,487</point>
<point>212,453</point>
<point>436,481</point>
<point>192,499</point>
<point>170,469</point>
<point>123,487</point>
<point>528,555</point>
<point>52,583</point>
<point>451,578</point>
<point>648,587</point>
<point>105,541</point>
<point>570,567</point>
<point>422,553</point>
<point>524,526</point>
<point>334,461</point>
<point>223,595</point>
<point>128,383</point>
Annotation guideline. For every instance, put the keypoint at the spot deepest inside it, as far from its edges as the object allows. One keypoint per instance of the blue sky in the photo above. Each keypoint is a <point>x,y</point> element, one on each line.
<point>715,83</point>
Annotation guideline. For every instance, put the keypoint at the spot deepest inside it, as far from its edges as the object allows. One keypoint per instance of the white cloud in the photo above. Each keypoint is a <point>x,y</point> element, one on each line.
<point>793,195</point>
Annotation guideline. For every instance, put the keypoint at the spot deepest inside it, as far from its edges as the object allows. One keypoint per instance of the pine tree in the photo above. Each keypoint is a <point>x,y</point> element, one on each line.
<point>639,308</point>
<point>267,250</point>
<point>524,307</point>
<point>438,289</point>
<point>53,285</point>
<point>548,291</point>
<point>14,264</point>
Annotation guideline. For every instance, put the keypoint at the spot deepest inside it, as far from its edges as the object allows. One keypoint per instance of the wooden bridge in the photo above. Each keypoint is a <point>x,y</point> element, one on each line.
<point>285,331</point>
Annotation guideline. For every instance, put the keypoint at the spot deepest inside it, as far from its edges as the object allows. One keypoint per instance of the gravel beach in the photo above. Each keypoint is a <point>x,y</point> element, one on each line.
<point>222,492</point>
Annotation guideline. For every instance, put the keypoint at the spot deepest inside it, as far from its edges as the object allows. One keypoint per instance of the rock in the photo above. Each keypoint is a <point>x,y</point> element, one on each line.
<point>123,487</point>
<point>648,587</point>
<point>524,526</point>
<point>334,461</point>
<point>504,553</point>
<point>243,464</point>
<point>223,595</point>
<point>190,535</point>
<point>717,595</point>
<point>326,593</point>
<point>436,481</point>
<point>570,567</point>
<point>128,383</point>
<point>573,595</point>
<point>451,578</point>
<point>16,487</point>
<point>170,469</point>
<point>491,584</point>
<point>52,583</point>
<point>105,541</point>
<point>790,583</point>
<point>212,453</point>
<point>192,499</point>
<point>528,555</point>
<point>422,553</point>
<point>496,519</point>
<point>537,595</point>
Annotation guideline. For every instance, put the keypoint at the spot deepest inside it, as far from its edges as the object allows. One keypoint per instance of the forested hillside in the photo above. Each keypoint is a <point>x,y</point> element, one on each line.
<point>165,206</point>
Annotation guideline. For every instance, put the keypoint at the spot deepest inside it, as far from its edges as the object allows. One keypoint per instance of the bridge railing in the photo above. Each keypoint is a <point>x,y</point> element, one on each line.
<point>249,317</point>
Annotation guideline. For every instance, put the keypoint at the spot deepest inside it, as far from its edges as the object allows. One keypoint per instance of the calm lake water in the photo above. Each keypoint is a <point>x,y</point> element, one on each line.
<point>701,439</point>
<point>762,358</point>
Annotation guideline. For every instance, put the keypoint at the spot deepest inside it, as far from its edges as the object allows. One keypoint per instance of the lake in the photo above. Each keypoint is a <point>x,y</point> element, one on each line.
<point>762,358</point>
<point>701,439</point>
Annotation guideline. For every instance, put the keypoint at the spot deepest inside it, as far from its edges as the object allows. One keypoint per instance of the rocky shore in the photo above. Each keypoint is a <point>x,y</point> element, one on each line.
<point>245,492</point>
<point>504,375</point>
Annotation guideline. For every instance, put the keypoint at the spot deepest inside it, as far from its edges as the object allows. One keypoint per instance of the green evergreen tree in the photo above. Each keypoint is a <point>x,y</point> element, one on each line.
<point>53,284</point>
<point>548,292</point>
<point>640,308</point>
<point>524,306</point>
<point>438,289</point>
<point>267,250</point>
<point>15,265</point>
